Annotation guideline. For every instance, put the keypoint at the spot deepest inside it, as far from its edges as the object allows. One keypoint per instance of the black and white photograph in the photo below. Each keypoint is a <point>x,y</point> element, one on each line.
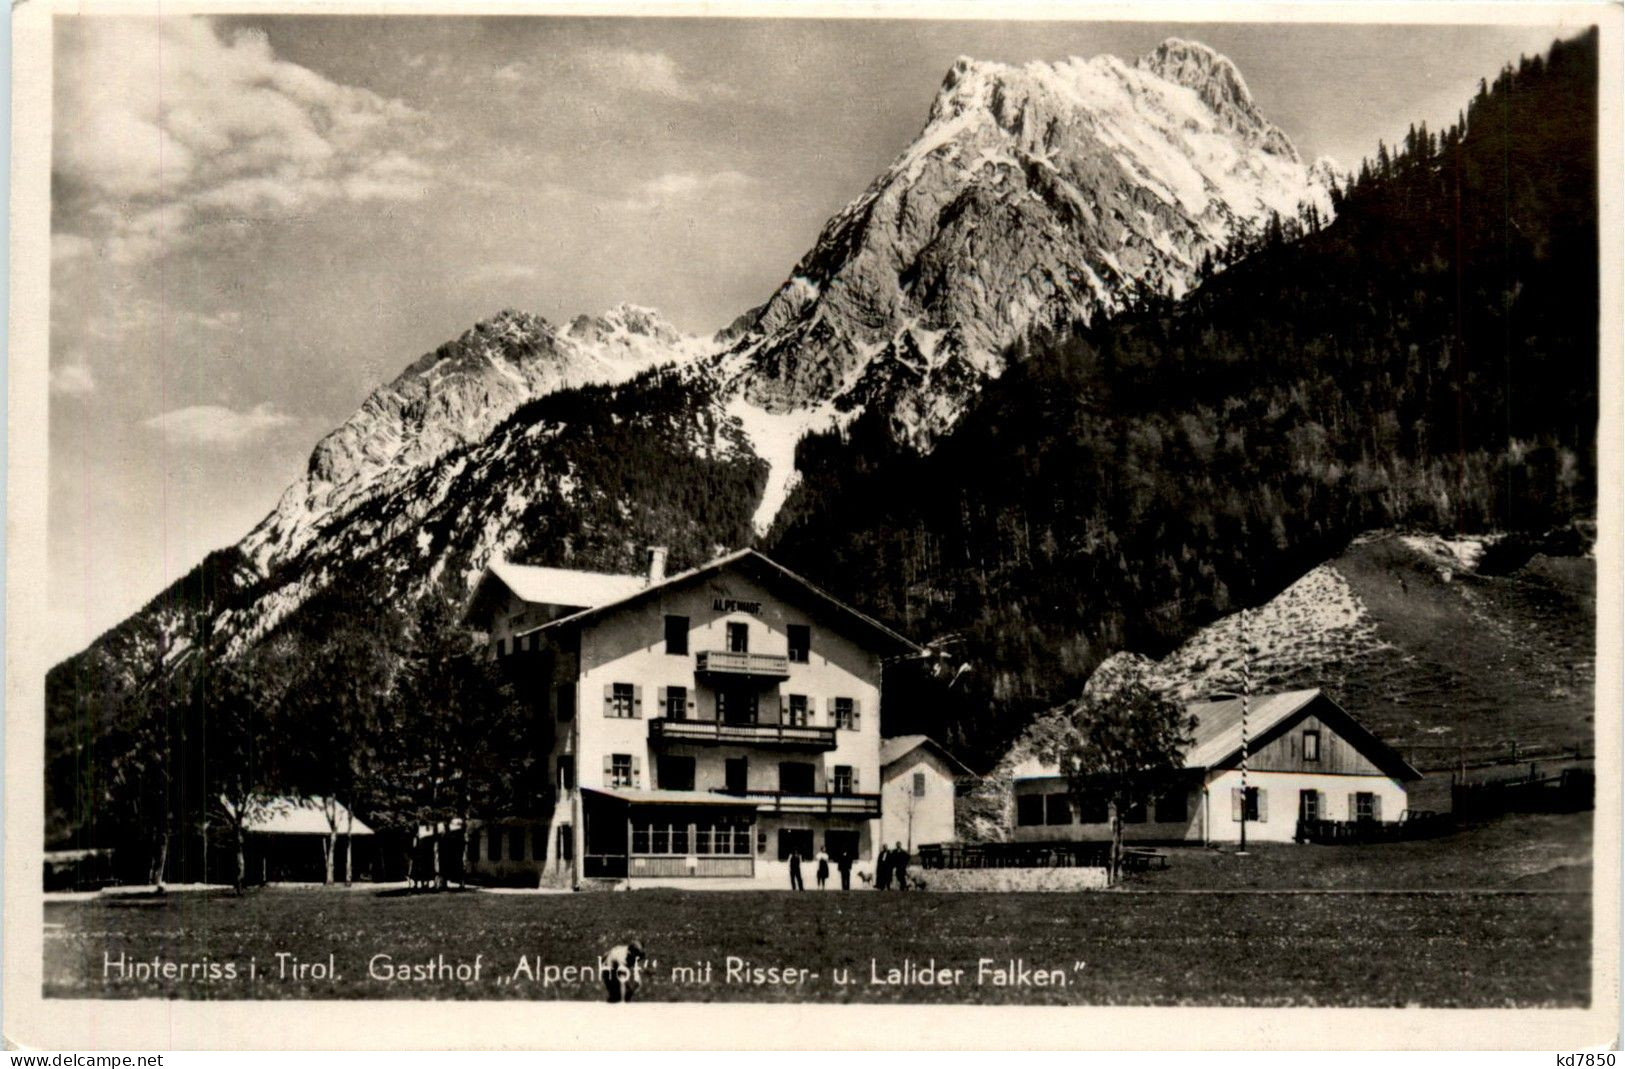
<point>867,507</point>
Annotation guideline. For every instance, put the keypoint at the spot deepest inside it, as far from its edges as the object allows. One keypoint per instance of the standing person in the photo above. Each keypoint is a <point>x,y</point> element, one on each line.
<point>795,870</point>
<point>899,861</point>
<point>883,869</point>
<point>823,867</point>
<point>844,863</point>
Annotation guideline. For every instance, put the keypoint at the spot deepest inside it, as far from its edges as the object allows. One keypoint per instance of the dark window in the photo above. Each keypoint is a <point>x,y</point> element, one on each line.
<point>800,636</point>
<point>567,701</point>
<point>738,638</point>
<point>676,703</point>
<point>566,773</point>
<point>1029,810</point>
<point>567,843</point>
<point>841,844</point>
<point>1252,807</point>
<point>736,706</point>
<point>796,710</point>
<point>798,839</point>
<point>1134,813</point>
<point>502,647</point>
<point>675,773</point>
<point>474,845</point>
<point>735,774</point>
<point>1365,806</point>
<point>1308,805</point>
<point>623,698</point>
<point>516,843</point>
<point>1172,808</point>
<point>843,713</point>
<point>677,634</point>
<point>843,779</point>
<point>1311,746</point>
<point>1057,809</point>
<point>493,844</point>
<point>795,777</point>
<point>538,844</point>
<point>919,784</point>
<point>1093,808</point>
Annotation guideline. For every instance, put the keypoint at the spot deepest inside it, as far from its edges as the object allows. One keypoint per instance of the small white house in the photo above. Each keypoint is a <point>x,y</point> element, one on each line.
<point>1308,759</point>
<point>917,777</point>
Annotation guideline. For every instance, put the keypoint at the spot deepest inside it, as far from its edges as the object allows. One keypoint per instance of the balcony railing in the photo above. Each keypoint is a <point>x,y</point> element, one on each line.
<point>716,732</point>
<point>730,663</point>
<point>826,802</point>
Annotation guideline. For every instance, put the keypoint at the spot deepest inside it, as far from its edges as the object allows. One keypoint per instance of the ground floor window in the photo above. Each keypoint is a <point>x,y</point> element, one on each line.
<point>1172,809</point>
<point>1134,813</point>
<point>1366,806</point>
<point>1057,809</point>
<point>1029,810</point>
<point>1308,805</point>
<point>493,845</point>
<point>664,837</point>
<point>841,844</point>
<point>516,843</point>
<point>799,840</point>
<point>1252,808</point>
<point>722,838</point>
<point>1094,808</point>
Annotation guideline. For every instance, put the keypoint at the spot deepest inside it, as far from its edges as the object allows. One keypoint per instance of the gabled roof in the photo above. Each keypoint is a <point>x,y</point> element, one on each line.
<point>564,586</point>
<point>766,569</point>
<point>289,815</point>
<point>1218,729</point>
<point>900,746</point>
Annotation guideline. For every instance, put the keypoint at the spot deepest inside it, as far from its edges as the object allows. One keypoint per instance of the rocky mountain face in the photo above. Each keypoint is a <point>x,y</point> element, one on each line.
<point>1035,196</point>
<point>453,397</point>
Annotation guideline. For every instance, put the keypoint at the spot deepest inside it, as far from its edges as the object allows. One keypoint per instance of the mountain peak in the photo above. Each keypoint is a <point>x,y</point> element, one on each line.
<point>1196,66</point>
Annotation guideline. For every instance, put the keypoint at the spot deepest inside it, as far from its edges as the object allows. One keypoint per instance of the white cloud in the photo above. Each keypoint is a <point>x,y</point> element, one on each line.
<point>652,73</point>
<point>217,425</point>
<point>685,187</point>
<point>162,126</point>
<point>72,380</point>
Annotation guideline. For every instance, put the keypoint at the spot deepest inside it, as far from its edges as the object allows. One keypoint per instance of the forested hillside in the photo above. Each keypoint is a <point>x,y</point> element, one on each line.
<point>1427,360</point>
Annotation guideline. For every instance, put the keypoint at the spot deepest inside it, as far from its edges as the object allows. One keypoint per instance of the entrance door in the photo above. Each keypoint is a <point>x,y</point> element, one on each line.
<point>797,839</point>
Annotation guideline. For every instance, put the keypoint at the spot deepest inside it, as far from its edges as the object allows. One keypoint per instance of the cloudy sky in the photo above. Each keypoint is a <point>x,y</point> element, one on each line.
<point>256,221</point>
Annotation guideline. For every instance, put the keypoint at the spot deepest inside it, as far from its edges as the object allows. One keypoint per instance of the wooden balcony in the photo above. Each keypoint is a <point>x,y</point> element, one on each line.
<point>729,663</point>
<point>719,733</point>
<point>827,803</point>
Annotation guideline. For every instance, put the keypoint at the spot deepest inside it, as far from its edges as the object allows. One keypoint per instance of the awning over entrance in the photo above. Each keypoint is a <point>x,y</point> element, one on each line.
<point>636,797</point>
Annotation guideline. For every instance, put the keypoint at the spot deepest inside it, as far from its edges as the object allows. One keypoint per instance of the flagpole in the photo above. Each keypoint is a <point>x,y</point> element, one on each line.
<point>1246,697</point>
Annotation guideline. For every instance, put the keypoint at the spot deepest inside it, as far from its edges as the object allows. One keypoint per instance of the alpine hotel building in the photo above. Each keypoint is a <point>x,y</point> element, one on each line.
<point>706,724</point>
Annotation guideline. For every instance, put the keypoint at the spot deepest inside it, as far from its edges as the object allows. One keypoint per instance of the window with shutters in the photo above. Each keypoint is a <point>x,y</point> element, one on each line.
<point>1172,808</point>
<point>800,643</point>
<point>846,714</point>
<point>676,703</point>
<point>516,844</point>
<point>1057,809</point>
<point>919,784</point>
<point>843,779</point>
<point>677,635</point>
<point>795,710</point>
<point>1311,746</point>
<point>1308,805</point>
<point>623,700</point>
<point>738,638</point>
<point>620,770</point>
<point>1365,806</point>
<point>1253,808</point>
<point>1029,810</point>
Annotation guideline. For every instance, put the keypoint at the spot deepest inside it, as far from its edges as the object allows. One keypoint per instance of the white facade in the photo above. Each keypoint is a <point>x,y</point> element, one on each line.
<point>917,799</point>
<point>707,726</point>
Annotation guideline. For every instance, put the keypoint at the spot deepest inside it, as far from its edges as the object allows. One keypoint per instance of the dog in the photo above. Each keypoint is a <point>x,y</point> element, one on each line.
<point>866,878</point>
<point>622,970</point>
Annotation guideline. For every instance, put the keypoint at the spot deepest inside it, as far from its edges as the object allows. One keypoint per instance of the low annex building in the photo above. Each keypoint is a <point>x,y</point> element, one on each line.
<point>1308,759</point>
<point>704,724</point>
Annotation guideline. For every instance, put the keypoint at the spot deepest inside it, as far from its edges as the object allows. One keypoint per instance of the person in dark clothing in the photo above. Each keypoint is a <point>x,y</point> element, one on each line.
<point>899,863</point>
<point>844,864</point>
<point>795,870</point>
<point>883,870</point>
<point>621,969</point>
<point>823,868</point>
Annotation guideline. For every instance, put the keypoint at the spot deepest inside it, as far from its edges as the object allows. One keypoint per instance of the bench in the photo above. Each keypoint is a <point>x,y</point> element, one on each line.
<point>1140,858</point>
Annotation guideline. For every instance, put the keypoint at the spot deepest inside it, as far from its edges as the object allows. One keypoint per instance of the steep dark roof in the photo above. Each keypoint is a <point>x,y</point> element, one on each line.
<point>900,746</point>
